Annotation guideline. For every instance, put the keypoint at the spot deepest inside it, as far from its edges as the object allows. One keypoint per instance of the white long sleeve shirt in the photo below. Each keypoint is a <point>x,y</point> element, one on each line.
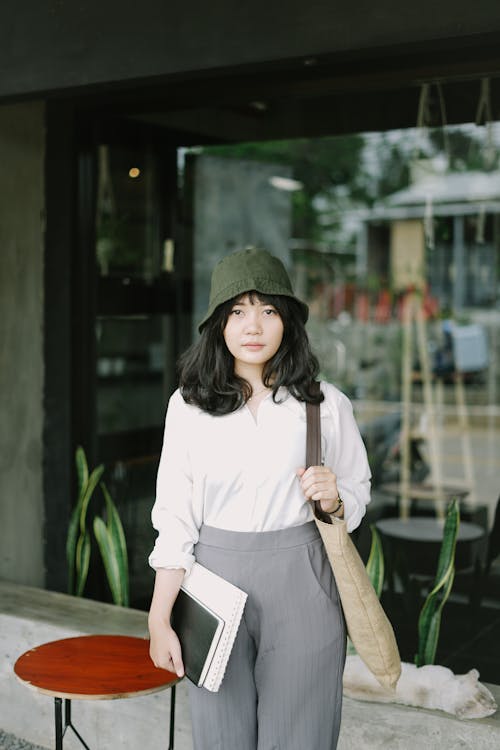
<point>239,473</point>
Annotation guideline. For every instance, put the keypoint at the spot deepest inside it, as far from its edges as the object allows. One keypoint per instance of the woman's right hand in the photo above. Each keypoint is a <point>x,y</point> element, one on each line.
<point>165,649</point>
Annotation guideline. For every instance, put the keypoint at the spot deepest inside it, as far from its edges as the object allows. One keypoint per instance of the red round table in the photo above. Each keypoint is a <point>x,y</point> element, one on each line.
<point>93,667</point>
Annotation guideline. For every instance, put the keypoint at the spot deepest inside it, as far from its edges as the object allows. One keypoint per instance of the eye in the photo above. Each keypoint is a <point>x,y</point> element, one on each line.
<point>236,311</point>
<point>270,311</point>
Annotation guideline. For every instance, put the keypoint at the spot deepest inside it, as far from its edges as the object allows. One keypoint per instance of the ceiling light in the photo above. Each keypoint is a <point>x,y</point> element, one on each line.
<point>259,106</point>
<point>285,183</point>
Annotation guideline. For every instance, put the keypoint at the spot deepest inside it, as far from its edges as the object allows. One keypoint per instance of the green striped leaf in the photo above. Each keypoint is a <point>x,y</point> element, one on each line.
<point>113,548</point>
<point>429,621</point>
<point>108,555</point>
<point>119,543</point>
<point>375,565</point>
<point>432,622</point>
<point>88,491</point>
<point>71,541</point>
<point>78,547</point>
<point>82,470</point>
<point>82,561</point>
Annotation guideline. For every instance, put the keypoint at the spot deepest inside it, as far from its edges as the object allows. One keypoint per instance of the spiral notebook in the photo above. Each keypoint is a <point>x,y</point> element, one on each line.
<point>206,616</point>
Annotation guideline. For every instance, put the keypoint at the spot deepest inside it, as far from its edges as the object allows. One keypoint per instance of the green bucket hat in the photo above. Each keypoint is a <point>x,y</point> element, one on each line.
<point>245,271</point>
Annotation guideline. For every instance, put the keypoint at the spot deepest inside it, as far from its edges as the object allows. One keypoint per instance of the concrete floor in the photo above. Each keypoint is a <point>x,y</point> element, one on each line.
<point>11,742</point>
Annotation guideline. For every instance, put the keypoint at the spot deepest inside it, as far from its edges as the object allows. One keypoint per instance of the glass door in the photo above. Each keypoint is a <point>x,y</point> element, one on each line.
<point>139,308</point>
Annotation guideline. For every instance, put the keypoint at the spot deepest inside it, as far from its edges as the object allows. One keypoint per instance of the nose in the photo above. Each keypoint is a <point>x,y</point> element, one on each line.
<point>252,322</point>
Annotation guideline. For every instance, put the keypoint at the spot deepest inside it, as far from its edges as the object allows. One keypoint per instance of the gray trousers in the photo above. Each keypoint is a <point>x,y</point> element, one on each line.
<point>283,686</point>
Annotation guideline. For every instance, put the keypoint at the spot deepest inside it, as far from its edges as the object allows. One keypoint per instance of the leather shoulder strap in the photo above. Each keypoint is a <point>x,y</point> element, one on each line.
<point>313,450</point>
<point>313,442</point>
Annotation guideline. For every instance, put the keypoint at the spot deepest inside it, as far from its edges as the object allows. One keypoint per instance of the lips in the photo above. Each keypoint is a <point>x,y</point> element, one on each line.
<point>253,347</point>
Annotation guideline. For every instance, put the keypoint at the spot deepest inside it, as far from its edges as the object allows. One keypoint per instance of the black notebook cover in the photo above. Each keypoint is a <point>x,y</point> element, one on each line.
<point>196,626</point>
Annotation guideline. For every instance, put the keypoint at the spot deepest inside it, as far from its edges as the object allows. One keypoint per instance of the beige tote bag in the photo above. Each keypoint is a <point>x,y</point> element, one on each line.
<point>367,624</point>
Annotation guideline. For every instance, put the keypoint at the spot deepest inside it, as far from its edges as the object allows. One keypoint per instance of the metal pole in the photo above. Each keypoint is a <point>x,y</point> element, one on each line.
<point>172,718</point>
<point>67,713</point>
<point>406,362</point>
<point>58,722</point>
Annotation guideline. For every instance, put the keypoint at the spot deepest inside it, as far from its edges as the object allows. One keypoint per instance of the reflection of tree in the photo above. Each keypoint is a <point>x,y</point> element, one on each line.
<point>116,245</point>
<point>339,172</point>
<point>393,171</point>
<point>126,230</point>
<point>340,175</point>
<point>319,164</point>
<point>467,152</point>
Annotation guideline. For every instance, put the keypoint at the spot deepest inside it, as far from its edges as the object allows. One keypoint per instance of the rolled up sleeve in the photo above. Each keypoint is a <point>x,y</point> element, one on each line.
<point>173,515</point>
<point>346,456</point>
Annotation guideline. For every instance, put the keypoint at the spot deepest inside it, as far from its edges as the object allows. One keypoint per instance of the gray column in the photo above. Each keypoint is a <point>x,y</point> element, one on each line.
<point>21,342</point>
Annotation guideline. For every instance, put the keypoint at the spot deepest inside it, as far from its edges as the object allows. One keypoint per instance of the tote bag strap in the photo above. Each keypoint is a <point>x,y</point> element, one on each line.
<point>313,450</point>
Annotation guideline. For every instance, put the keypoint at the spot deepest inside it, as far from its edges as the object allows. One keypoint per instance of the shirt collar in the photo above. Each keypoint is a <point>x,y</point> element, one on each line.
<point>285,399</point>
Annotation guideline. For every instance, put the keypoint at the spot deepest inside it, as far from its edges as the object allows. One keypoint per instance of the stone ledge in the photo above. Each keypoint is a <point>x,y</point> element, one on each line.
<point>29,616</point>
<point>380,725</point>
<point>70,612</point>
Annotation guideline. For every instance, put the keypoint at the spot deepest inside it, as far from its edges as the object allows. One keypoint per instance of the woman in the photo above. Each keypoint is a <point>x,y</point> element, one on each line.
<point>233,492</point>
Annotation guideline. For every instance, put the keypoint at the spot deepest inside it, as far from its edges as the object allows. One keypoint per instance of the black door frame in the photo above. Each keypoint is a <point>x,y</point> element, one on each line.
<point>71,303</point>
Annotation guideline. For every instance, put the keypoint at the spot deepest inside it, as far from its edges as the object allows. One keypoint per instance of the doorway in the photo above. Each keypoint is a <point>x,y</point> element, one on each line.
<point>129,322</point>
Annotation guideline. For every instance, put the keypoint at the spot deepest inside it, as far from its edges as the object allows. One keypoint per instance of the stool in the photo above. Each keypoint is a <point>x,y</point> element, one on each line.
<point>93,667</point>
<point>414,543</point>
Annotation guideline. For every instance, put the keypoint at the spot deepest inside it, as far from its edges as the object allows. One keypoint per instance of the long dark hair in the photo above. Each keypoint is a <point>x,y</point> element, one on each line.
<point>206,369</point>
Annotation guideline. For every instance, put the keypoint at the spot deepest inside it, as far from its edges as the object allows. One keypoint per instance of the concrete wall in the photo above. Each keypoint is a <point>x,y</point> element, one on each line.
<point>21,342</point>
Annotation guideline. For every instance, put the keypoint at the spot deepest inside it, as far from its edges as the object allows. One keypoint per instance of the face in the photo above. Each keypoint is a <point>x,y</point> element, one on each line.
<point>253,333</point>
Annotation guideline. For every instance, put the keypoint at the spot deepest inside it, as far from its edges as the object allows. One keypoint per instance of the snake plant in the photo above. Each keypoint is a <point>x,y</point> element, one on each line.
<point>110,536</point>
<point>78,542</point>
<point>429,621</point>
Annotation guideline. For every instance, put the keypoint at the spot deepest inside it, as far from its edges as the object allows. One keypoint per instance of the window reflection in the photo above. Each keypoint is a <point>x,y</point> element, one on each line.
<point>393,240</point>
<point>134,364</point>
<point>128,235</point>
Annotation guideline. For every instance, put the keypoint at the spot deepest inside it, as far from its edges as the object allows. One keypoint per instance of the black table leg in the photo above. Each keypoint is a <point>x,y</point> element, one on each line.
<point>60,729</point>
<point>58,722</point>
<point>172,718</point>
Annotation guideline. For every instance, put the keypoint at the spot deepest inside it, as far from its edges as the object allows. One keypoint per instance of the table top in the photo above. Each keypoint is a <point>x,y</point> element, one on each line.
<point>424,529</point>
<point>93,667</point>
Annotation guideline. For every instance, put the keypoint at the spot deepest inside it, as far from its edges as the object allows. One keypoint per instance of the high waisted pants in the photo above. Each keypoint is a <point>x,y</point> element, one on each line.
<point>283,686</point>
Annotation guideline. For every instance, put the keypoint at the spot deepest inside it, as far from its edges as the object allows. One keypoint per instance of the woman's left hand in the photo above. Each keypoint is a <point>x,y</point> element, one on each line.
<point>320,483</point>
